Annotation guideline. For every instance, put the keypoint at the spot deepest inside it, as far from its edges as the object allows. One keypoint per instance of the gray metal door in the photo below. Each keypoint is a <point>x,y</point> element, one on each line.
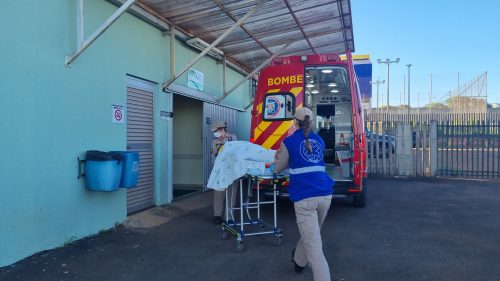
<point>140,136</point>
<point>213,112</point>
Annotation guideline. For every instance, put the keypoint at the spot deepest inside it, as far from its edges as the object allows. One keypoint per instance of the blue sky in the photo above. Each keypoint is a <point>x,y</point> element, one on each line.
<point>442,38</point>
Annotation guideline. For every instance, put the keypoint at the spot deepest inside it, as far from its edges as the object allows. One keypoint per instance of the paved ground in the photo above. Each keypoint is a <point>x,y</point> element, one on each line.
<point>410,230</point>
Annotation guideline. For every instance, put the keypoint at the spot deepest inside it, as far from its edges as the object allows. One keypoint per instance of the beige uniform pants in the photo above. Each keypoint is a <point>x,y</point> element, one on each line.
<point>310,214</point>
<point>219,197</point>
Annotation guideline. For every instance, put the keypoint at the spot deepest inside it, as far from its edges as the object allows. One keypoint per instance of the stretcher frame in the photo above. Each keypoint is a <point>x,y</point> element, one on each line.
<point>237,229</point>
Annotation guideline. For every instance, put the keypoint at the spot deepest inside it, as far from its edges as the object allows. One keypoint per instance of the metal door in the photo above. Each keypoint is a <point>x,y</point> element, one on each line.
<point>213,112</point>
<point>140,138</point>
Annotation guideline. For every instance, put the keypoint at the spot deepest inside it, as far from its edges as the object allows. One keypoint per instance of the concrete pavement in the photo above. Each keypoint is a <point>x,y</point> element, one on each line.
<point>409,230</point>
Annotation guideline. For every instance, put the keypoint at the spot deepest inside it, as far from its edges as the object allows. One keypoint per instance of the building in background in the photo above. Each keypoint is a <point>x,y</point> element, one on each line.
<point>363,69</point>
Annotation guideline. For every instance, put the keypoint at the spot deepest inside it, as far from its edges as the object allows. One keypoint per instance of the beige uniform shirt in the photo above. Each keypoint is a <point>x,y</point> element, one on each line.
<point>218,142</point>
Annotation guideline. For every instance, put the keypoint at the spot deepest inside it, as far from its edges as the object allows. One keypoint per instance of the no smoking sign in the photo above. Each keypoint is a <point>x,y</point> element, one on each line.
<point>118,113</point>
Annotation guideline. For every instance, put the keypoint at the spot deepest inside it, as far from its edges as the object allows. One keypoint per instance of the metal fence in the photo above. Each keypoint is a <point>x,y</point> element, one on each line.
<point>428,117</point>
<point>401,149</point>
<point>381,150</point>
<point>463,147</point>
<point>469,148</point>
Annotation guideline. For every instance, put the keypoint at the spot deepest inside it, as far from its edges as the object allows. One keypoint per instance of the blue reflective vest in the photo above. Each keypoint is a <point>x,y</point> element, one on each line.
<point>308,177</point>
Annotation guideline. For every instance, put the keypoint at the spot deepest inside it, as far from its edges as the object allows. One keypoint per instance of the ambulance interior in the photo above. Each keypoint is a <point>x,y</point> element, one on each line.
<point>328,94</point>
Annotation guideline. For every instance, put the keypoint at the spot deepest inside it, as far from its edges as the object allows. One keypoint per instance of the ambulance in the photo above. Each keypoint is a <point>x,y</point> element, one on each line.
<point>327,84</point>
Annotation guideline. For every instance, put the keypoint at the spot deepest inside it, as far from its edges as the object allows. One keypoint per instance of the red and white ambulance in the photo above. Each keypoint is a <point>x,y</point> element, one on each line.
<point>328,86</point>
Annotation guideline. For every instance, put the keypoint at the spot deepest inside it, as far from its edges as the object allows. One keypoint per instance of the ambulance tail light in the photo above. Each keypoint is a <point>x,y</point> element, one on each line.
<point>252,140</point>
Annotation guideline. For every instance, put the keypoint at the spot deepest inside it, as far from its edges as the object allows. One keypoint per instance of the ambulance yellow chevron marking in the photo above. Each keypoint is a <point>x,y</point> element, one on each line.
<point>296,91</point>
<point>260,129</point>
<point>276,135</point>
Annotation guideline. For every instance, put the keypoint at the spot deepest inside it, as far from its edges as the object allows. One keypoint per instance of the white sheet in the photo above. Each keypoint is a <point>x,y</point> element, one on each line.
<point>236,159</point>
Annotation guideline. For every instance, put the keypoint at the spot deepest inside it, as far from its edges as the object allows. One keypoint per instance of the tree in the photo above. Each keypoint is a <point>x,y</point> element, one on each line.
<point>436,105</point>
<point>467,104</point>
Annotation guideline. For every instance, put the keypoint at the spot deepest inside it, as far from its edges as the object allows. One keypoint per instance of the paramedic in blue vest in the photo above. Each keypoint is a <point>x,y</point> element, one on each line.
<point>310,190</point>
<point>221,136</point>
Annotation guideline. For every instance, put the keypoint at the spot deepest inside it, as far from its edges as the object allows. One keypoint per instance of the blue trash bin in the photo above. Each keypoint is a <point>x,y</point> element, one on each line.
<point>130,173</point>
<point>103,170</point>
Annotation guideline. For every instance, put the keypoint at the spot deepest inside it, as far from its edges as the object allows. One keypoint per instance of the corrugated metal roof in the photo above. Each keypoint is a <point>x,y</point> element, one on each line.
<point>319,26</point>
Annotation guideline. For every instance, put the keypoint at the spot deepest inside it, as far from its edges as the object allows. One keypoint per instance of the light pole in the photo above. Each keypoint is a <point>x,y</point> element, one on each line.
<point>430,97</point>
<point>378,82</point>
<point>408,65</point>
<point>388,62</point>
<point>404,90</point>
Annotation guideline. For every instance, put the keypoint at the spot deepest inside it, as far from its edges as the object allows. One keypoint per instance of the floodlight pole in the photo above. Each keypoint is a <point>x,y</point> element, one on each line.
<point>388,62</point>
<point>408,65</point>
<point>378,82</point>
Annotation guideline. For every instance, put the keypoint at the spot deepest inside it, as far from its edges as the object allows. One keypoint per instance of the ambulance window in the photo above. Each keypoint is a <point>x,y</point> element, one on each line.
<point>325,80</point>
<point>279,106</point>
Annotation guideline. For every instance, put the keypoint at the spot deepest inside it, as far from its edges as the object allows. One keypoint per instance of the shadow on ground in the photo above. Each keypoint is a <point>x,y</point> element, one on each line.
<point>409,230</point>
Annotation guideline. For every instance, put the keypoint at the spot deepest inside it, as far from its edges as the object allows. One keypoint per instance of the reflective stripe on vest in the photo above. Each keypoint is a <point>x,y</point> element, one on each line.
<point>309,169</point>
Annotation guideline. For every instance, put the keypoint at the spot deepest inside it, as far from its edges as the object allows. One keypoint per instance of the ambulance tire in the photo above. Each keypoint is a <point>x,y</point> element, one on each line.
<point>360,200</point>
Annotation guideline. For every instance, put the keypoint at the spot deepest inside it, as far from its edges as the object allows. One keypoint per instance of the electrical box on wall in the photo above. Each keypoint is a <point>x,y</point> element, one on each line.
<point>166,115</point>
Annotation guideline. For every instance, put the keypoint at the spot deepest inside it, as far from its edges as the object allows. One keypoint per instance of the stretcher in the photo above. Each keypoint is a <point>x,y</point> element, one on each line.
<point>249,203</point>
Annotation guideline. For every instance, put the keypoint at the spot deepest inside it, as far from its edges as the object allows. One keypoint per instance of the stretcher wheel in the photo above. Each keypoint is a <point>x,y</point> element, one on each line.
<point>239,246</point>
<point>225,234</point>
<point>278,240</point>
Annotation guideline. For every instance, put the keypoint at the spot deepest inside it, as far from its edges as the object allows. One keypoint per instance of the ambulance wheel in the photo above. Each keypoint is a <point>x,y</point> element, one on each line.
<point>360,200</point>
<point>239,246</point>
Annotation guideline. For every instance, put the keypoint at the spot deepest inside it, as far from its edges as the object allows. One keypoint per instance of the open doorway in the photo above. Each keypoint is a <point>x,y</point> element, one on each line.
<point>328,94</point>
<point>187,146</point>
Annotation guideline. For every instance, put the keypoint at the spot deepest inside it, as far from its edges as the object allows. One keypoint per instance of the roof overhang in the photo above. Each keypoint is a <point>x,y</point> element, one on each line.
<point>312,27</point>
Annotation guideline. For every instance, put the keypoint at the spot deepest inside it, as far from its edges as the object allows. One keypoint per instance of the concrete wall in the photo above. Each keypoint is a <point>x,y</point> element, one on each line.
<point>51,114</point>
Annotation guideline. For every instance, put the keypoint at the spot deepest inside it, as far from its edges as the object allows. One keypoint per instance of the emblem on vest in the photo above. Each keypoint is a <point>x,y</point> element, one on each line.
<point>317,153</point>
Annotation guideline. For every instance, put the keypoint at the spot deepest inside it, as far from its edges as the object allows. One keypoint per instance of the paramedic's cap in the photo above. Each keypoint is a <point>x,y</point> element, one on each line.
<point>301,113</point>
<point>217,124</point>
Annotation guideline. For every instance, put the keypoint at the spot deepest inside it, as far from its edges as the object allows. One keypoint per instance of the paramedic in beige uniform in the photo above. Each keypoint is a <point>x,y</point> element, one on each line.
<point>310,190</point>
<point>220,137</point>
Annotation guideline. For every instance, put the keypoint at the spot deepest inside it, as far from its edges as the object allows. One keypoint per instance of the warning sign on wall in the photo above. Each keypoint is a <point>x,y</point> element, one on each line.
<point>118,113</point>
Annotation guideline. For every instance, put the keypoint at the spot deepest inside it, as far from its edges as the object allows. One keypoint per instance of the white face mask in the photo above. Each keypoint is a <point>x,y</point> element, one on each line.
<point>217,134</point>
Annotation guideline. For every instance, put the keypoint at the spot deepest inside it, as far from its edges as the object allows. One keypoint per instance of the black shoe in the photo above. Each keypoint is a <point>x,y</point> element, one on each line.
<point>217,220</point>
<point>298,268</point>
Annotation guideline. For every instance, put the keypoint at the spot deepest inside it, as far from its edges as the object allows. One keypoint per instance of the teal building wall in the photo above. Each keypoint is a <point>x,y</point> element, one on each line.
<point>51,114</point>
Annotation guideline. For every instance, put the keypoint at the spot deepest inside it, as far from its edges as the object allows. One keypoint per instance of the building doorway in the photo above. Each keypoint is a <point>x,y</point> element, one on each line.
<point>187,146</point>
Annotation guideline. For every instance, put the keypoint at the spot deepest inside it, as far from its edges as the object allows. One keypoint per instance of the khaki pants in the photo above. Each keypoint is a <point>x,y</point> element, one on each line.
<point>219,197</point>
<point>310,214</point>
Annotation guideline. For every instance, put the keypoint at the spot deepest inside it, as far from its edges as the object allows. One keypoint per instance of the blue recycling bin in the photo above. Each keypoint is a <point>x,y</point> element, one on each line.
<point>130,173</point>
<point>103,170</point>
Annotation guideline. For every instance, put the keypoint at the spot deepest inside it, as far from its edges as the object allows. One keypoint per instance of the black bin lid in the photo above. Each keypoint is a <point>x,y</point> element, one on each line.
<point>96,155</point>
